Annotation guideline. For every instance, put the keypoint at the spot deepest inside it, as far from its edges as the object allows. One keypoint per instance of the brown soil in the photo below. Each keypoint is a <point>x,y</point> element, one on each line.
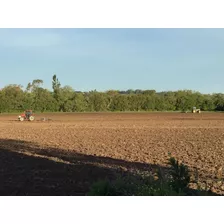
<point>70,151</point>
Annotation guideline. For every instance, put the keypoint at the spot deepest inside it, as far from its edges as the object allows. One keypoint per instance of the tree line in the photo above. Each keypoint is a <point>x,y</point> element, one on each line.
<point>14,98</point>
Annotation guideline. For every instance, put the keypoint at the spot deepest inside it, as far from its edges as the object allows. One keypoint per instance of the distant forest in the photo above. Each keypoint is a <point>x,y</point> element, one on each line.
<point>15,98</point>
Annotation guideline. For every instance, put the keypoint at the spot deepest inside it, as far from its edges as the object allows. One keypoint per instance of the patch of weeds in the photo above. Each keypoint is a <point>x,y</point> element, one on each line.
<point>180,177</point>
<point>175,183</point>
<point>102,188</point>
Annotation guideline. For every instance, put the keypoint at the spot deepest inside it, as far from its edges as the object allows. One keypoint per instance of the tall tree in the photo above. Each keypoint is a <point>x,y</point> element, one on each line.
<point>67,95</point>
<point>35,84</point>
<point>56,85</point>
<point>13,98</point>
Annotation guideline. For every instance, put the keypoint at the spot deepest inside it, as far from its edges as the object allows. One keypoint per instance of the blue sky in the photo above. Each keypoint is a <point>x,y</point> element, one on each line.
<point>102,59</point>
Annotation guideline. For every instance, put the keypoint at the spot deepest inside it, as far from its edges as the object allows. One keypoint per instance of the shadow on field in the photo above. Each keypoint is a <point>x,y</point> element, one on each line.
<point>27,169</point>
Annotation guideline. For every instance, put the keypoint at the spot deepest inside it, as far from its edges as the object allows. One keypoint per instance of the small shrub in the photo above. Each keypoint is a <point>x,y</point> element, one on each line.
<point>102,188</point>
<point>175,184</point>
<point>180,177</point>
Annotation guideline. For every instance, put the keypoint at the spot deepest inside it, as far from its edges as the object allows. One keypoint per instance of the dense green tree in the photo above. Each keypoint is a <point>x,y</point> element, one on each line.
<point>67,95</point>
<point>136,102</point>
<point>3,103</point>
<point>28,101</point>
<point>149,103</point>
<point>97,101</point>
<point>56,85</point>
<point>120,103</point>
<point>185,100</point>
<point>44,101</point>
<point>35,84</point>
<point>218,100</point>
<point>149,92</point>
<point>13,99</point>
<point>208,104</point>
<point>170,101</point>
<point>110,96</point>
<point>80,103</point>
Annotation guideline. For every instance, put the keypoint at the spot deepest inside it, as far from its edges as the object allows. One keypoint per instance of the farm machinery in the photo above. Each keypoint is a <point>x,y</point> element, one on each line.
<point>27,115</point>
<point>195,110</point>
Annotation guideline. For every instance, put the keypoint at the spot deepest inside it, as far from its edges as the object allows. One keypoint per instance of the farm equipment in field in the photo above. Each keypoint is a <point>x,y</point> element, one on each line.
<point>195,110</point>
<point>27,115</point>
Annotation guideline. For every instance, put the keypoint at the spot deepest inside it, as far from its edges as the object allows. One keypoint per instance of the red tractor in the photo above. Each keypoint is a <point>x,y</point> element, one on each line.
<point>27,115</point>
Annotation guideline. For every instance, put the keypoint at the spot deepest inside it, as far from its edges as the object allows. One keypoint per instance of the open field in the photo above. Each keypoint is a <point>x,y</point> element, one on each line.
<point>65,155</point>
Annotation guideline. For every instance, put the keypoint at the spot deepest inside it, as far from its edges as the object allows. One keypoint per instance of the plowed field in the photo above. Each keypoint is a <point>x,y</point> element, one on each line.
<point>104,141</point>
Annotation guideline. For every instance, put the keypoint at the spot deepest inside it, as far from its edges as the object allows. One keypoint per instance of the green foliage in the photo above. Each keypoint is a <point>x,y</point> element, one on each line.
<point>180,177</point>
<point>218,100</point>
<point>120,103</point>
<point>13,99</point>
<point>34,85</point>
<point>43,100</point>
<point>56,85</point>
<point>102,188</point>
<point>121,186</point>
<point>80,103</point>
<point>67,95</point>
<point>97,101</point>
<point>174,184</point>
